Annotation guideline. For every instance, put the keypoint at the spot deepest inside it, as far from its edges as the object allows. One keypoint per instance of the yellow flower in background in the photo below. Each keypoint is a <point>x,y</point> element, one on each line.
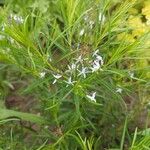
<point>126,37</point>
<point>135,22</point>
<point>147,44</point>
<point>133,11</point>
<point>146,10</point>
<point>139,32</point>
<point>137,26</point>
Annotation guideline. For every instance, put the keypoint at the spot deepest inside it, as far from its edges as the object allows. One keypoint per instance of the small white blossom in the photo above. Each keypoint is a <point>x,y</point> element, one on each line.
<point>101,17</point>
<point>11,40</point>
<point>91,23</point>
<point>119,90</point>
<point>70,82</point>
<point>46,127</point>
<point>18,19</point>
<point>81,32</point>
<point>78,45</point>
<point>71,68</point>
<point>131,74</point>
<point>2,37</point>
<point>99,58</point>
<point>95,53</point>
<point>92,97</point>
<point>42,74</point>
<point>95,66</point>
<point>48,58</point>
<point>79,60</point>
<point>3,26</point>
<point>98,62</point>
<point>113,125</point>
<point>55,80</point>
<point>83,72</point>
<point>86,18</point>
<point>57,76</point>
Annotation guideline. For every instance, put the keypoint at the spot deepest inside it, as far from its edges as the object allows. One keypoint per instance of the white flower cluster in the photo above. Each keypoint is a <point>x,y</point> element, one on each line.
<point>91,22</point>
<point>81,67</point>
<point>17,19</point>
<point>98,61</point>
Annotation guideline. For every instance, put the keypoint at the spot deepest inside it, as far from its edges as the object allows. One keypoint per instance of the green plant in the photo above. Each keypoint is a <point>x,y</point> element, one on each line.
<point>85,80</point>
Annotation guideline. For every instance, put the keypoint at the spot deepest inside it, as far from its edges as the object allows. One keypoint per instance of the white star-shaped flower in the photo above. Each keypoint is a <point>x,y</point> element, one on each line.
<point>95,53</point>
<point>16,18</point>
<point>79,59</point>
<point>81,32</point>
<point>70,82</point>
<point>42,74</point>
<point>119,90</point>
<point>99,58</point>
<point>86,17</point>
<point>95,66</point>
<point>101,17</point>
<point>131,74</point>
<point>71,68</point>
<point>92,97</point>
<point>83,72</point>
<point>91,23</point>
<point>57,76</point>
